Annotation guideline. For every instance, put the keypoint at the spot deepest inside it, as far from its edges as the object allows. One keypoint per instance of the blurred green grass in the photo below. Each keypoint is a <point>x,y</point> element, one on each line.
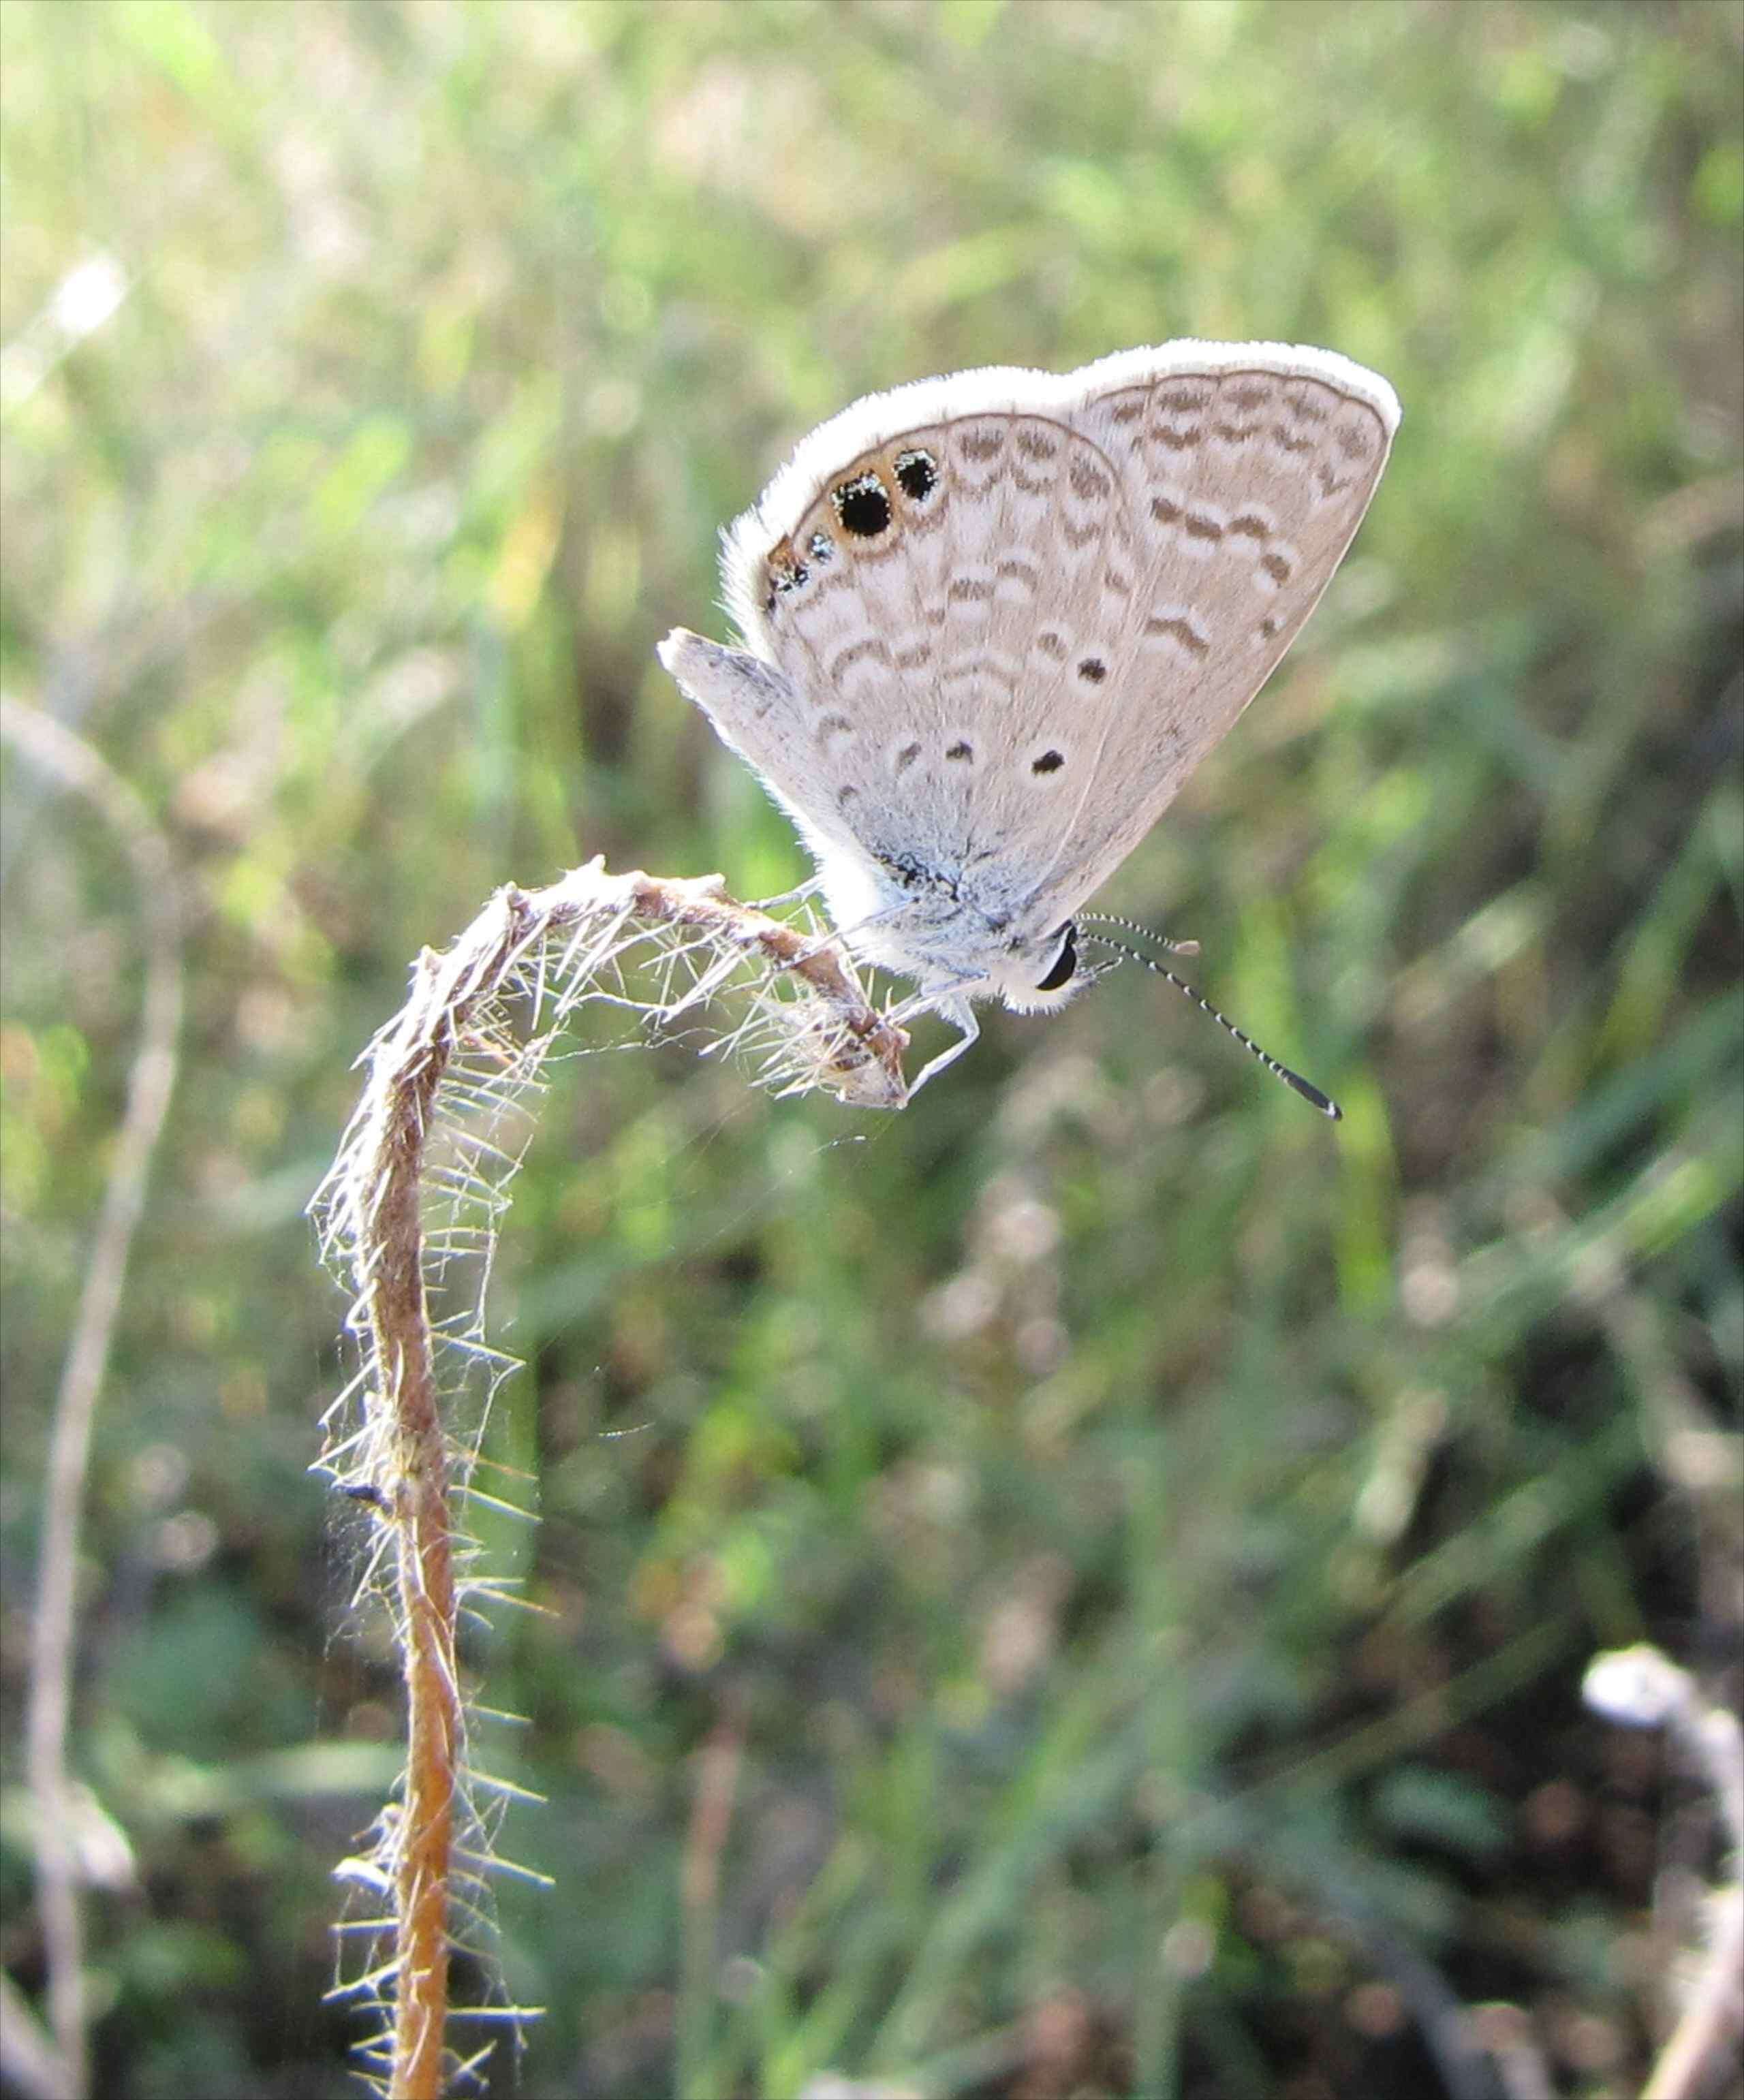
<point>1144,1545</point>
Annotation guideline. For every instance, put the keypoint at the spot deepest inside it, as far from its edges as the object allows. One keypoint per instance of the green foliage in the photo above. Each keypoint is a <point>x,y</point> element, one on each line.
<point>1142,1544</point>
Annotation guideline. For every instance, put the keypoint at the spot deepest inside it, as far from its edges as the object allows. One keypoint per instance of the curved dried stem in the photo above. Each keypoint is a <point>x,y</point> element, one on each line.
<point>419,1183</point>
<point>73,763</point>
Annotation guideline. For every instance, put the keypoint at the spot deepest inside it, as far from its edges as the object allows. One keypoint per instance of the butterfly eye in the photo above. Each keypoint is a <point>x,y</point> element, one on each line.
<point>1065,964</point>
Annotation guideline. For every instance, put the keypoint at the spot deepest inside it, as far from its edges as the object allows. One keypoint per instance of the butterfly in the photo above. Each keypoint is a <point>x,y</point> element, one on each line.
<point>992,621</point>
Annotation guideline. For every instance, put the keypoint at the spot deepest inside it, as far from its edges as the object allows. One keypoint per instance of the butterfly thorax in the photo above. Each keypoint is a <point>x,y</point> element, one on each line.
<point>962,925</point>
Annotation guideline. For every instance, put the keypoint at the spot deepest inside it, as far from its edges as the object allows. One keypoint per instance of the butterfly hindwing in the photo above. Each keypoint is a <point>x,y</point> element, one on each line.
<point>931,607</point>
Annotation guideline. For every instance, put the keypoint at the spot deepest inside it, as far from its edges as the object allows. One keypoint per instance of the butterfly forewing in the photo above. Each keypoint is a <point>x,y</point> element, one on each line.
<point>1245,488</point>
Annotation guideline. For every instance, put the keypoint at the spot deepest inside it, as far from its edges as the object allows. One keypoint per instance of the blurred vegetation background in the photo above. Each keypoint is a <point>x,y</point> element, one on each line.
<point>1122,1553</point>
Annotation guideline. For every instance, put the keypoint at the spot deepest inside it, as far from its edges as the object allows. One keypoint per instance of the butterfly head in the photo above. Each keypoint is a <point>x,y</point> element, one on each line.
<point>1039,976</point>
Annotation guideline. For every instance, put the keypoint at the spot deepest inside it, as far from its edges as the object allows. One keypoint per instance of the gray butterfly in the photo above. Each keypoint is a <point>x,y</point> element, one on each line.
<point>993,621</point>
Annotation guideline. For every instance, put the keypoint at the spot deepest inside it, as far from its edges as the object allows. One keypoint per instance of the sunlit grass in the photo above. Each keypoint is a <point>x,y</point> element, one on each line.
<point>1101,1499</point>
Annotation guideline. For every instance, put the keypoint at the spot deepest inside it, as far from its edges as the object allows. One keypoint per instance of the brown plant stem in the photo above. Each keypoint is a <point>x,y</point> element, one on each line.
<point>417,1489</point>
<point>403,1465</point>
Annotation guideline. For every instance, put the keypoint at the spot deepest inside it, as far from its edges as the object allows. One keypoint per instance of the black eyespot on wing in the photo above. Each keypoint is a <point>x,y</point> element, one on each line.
<point>863,506</point>
<point>918,473</point>
<point>1050,761</point>
<point>1065,964</point>
<point>962,751</point>
<point>1093,670</point>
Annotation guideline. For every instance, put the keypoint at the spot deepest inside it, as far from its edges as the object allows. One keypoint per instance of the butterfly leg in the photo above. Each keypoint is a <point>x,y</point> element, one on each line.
<point>960,1015</point>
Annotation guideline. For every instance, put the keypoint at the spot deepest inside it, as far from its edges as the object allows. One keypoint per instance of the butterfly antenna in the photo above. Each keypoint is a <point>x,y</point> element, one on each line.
<point>1134,926</point>
<point>1310,1094</point>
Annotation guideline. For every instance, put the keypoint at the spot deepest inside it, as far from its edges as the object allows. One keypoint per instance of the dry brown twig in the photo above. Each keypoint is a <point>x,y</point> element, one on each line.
<point>59,2067</point>
<point>420,1180</point>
